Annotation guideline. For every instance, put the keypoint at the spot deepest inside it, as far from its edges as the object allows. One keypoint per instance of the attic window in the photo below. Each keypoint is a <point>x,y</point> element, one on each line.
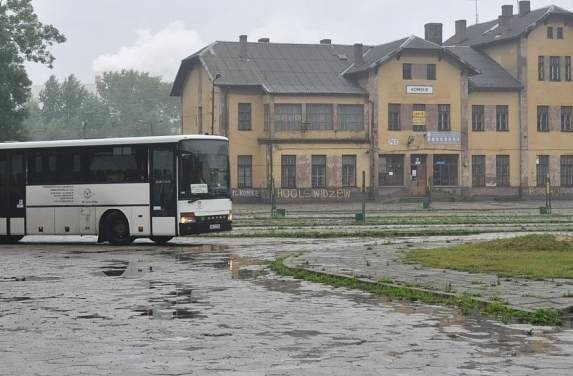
<point>550,32</point>
<point>559,33</point>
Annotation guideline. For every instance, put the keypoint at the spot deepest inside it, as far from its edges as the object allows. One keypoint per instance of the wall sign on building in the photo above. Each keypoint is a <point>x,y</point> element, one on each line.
<point>412,89</point>
<point>418,117</point>
<point>443,138</point>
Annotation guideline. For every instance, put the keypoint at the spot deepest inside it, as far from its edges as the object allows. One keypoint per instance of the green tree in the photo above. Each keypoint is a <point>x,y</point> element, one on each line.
<point>33,124</point>
<point>95,118</point>
<point>22,38</point>
<point>14,91</point>
<point>51,99</point>
<point>139,104</point>
<point>73,96</point>
<point>61,110</point>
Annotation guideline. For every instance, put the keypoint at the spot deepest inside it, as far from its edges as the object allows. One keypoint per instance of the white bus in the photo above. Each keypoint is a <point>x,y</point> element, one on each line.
<point>118,189</point>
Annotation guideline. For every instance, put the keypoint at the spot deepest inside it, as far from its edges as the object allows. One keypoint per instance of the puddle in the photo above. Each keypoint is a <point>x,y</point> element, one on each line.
<point>297,333</point>
<point>171,304</point>
<point>514,339</point>
<point>167,312</point>
<point>116,269</point>
<point>13,279</point>
<point>92,317</point>
<point>33,278</point>
<point>15,299</point>
<point>246,268</point>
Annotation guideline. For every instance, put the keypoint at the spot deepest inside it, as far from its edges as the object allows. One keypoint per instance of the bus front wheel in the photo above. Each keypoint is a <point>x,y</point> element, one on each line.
<point>160,239</point>
<point>116,229</point>
<point>10,239</point>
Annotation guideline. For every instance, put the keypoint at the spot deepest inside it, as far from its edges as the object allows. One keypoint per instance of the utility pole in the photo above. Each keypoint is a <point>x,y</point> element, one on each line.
<point>217,76</point>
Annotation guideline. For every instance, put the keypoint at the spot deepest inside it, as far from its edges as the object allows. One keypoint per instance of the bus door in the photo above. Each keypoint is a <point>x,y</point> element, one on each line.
<point>12,193</point>
<point>3,193</point>
<point>163,191</point>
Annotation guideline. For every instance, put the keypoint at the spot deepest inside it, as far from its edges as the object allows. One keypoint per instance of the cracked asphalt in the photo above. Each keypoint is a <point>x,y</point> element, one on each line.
<point>210,307</point>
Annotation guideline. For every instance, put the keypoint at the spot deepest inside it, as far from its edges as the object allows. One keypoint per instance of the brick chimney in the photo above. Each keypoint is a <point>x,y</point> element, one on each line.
<point>433,33</point>
<point>507,10</point>
<point>243,49</point>
<point>264,40</point>
<point>461,26</point>
<point>358,54</point>
<point>524,8</point>
<point>326,41</point>
<point>506,14</point>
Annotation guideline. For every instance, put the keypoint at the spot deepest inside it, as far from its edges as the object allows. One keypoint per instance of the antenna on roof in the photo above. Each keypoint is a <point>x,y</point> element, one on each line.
<point>477,14</point>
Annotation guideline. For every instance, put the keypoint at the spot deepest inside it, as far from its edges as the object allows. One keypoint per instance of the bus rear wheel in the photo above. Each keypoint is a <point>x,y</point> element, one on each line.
<point>116,229</point>
<point>161,239</point>
<point>10,239</point>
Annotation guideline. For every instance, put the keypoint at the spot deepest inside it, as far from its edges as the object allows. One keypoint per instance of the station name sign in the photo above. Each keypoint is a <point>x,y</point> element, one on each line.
<point>443,138</point>
<point>412,89</point>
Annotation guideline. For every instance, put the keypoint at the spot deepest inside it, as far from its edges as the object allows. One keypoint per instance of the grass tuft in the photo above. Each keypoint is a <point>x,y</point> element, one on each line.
<point>530,256</point>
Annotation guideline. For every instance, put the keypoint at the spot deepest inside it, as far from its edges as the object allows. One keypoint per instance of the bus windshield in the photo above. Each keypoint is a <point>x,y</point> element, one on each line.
<point>204,169</point>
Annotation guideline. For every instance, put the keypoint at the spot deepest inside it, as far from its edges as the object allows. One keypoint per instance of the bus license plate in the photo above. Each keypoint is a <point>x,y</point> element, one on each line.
<point>216,226</point>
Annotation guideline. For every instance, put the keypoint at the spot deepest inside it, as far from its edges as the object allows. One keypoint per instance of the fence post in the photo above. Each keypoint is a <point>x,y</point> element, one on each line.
<point>548,193</point>
<point>273,199</point>
<point>363,196</point>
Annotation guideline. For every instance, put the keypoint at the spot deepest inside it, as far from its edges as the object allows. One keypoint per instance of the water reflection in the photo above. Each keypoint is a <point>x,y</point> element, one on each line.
<point>245,268</point>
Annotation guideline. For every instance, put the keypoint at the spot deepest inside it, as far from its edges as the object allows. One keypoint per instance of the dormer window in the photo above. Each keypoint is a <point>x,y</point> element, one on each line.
<point>550,32</point>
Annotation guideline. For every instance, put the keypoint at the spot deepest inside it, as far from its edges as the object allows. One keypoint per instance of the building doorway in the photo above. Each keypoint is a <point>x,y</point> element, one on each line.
<point>418,174</point>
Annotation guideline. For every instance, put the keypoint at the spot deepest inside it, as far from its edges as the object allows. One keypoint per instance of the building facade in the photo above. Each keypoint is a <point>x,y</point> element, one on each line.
<point>488,112</point>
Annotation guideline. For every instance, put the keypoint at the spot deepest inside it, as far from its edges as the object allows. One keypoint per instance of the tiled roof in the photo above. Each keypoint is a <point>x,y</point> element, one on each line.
<point>380,54</point>
<point>329,69</point>
<point>492,76</point>
<point>490,32</point>
<point>277,68</point>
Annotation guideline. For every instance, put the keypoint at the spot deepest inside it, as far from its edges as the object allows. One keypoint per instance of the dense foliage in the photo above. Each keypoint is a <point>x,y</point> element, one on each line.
<point>126,103</point>
<point>22,38</point>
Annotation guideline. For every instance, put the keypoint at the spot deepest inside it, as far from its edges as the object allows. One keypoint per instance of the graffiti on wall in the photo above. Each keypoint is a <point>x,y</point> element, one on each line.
<point>248,193</point>
<point>314,194</point>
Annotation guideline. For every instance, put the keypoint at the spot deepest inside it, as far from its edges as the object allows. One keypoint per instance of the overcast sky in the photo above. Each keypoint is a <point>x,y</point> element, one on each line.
<point>154,35</point>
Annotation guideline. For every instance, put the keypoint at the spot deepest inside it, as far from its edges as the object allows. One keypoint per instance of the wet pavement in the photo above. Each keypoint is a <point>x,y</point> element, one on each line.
<point>210,307</point>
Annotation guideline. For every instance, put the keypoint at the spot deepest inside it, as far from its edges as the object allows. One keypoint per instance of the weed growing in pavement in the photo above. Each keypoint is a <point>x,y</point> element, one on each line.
<point>385,280</point>
<point>386,287</point>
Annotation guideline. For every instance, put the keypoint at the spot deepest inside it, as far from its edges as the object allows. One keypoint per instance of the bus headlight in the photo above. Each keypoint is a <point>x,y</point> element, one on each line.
<point>187,218</point>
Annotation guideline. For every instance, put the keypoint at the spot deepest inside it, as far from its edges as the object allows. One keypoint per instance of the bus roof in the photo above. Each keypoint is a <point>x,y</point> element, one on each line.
<point>107,141</point>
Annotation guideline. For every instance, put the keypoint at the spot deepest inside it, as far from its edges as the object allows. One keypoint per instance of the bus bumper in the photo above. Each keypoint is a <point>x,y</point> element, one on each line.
<point>204,227</point>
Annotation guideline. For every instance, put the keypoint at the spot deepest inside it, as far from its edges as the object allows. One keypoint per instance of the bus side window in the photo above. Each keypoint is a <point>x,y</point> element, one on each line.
<point>3,169</point>
<point>116,164</point>
<point>17,176</point>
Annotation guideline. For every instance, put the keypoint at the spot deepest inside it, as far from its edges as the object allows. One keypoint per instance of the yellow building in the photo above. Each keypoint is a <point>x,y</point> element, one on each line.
<point>488,112</point>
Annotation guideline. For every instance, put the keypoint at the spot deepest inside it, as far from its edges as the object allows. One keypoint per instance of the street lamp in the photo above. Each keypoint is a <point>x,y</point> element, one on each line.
<point>217,76</point>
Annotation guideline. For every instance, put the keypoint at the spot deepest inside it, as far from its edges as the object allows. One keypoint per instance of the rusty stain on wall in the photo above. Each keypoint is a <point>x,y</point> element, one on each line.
<point>303,170</point>
<point>334,171</point>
